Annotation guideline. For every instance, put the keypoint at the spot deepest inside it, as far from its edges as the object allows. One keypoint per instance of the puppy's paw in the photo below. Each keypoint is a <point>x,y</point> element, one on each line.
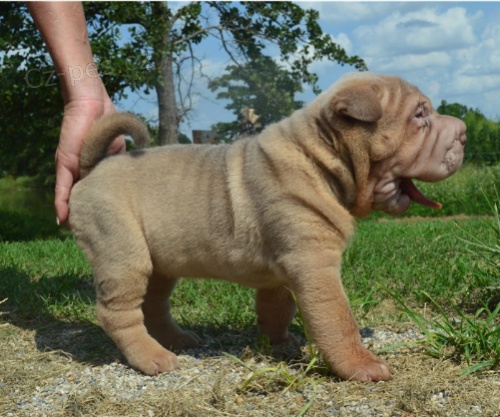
<point>185,339</point>
<point>285,339</point>
<point>362,365</point>
<point>152,359</point>
<point>177,339</point>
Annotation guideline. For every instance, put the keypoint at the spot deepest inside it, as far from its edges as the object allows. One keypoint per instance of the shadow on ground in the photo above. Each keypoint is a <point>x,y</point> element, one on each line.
<point>25,307</point>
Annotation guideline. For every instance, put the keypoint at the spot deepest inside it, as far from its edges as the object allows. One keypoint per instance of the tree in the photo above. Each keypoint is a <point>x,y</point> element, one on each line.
<point>161,38</point>
<point>31,106</point>
<point>453,109</point>
<point>261,85</point>
<point>142,46</point>
<point>483,135</point>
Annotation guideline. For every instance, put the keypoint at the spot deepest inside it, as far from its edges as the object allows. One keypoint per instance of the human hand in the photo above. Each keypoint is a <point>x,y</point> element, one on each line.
<point>79,115</point>
<point>64,30</point>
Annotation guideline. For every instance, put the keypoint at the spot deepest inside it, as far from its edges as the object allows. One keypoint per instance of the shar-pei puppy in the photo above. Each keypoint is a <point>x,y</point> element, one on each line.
<point>273,212</point>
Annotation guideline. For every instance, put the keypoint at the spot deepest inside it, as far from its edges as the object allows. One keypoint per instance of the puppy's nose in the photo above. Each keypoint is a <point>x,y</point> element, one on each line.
<point>462,137</point>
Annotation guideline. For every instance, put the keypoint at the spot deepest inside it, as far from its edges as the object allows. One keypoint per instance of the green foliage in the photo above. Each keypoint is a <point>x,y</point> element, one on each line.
<point>261,85</point>
<point>294,30</point>
<point>282,377</point>
<point>197,302</point>
<point>134,63</point>
<point>259,82</point>
<point>475,340</point>
<point>483,139</point>
<point>490,252</point>
<point>409,257</point>
<point>24,226</point>
<point>141,46</point>
<point>483,135</point>
<point>31,107</point>
<point>487,251</point>
<point>26,211</point>
<point>48,278</point>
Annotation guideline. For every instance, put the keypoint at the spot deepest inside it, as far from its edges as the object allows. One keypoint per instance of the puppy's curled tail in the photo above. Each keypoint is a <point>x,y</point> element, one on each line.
<point>102,134</point>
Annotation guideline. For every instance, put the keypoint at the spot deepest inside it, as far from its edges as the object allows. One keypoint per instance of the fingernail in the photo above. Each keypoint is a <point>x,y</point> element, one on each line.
<point>57,221</point>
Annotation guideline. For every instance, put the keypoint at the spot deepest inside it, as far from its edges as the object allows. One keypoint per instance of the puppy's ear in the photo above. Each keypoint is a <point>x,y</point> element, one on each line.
<point>360,102</point>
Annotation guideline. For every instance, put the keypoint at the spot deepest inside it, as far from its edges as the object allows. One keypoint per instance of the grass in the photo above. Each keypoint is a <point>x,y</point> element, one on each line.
<point>52,278</point>
<point>443,274</point>
<point>10,183</point>
<point>26,211</point>
<point>411,257</point>
<point>474,339</point>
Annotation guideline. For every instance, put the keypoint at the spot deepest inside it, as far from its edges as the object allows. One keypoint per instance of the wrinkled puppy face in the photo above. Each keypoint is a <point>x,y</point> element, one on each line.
<point>404,138</point>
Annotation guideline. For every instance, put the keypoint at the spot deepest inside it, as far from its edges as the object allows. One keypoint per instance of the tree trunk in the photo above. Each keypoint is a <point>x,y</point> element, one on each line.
<point>167,106</point>
<point>165,88</point>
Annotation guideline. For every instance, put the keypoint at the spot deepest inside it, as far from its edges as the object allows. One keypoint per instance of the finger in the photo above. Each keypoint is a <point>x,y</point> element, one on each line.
<point>64,182</point>
<point>118,146</point>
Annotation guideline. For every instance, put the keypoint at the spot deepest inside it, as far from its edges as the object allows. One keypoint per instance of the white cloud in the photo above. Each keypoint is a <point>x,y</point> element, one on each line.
<point>465,84</point>
<point>446,51</point>
<point>494,59</point>
<point>483,58</point>
<point>325,66</point>
<point>413,62</point>
<point>343,40</point>
<point>354,11</point>
<point>421,31</point>
<point>449,50</point>
<point>433,90</point>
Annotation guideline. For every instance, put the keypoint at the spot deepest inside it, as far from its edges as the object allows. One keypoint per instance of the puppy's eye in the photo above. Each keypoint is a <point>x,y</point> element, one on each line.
<point>422,116</point>
<point>420,113</point>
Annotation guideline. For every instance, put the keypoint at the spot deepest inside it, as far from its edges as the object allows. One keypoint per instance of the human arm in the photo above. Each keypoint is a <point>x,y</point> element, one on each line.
<point>64,30</point>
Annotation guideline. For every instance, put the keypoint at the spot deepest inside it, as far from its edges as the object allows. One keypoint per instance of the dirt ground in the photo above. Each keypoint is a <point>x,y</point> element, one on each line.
<point>74,381</point>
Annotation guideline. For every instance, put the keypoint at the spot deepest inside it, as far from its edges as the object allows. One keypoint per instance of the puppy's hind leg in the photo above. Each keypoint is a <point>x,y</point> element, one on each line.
<point>122,269</point>
<point>157,317</point>
<point>275,311</point>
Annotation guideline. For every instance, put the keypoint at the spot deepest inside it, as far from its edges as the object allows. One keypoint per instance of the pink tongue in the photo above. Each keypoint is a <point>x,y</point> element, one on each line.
<point>415,195</point>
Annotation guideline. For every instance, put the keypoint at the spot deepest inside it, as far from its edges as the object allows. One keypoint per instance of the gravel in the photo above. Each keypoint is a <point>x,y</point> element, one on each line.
<point>209,384</point>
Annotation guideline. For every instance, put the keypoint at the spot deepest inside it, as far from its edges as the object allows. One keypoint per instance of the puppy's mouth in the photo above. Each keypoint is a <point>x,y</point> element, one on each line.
<point>407,187</point>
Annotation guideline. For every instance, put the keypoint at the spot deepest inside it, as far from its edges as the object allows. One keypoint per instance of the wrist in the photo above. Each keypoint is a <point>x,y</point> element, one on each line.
<point>80,82</point>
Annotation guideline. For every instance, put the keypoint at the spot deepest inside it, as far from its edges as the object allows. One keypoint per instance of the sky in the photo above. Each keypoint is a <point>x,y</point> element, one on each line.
<point>450,50</point>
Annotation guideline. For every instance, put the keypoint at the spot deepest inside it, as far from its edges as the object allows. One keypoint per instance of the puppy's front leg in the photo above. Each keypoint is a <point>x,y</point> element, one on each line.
<point>324,304</point>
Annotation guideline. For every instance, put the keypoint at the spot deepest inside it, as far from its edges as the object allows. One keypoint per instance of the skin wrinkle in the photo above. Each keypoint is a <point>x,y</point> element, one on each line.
<point>239,193</point>
<point>423,153</point>
<point>387,187</point>
<point>270,164</point>
<point>333,138</point>
<point>429,133</point>
<point>319,213</point>
<point>323,171</point>
<point>450,160</point>
<point>229,199</point>
<point>415,155</point>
